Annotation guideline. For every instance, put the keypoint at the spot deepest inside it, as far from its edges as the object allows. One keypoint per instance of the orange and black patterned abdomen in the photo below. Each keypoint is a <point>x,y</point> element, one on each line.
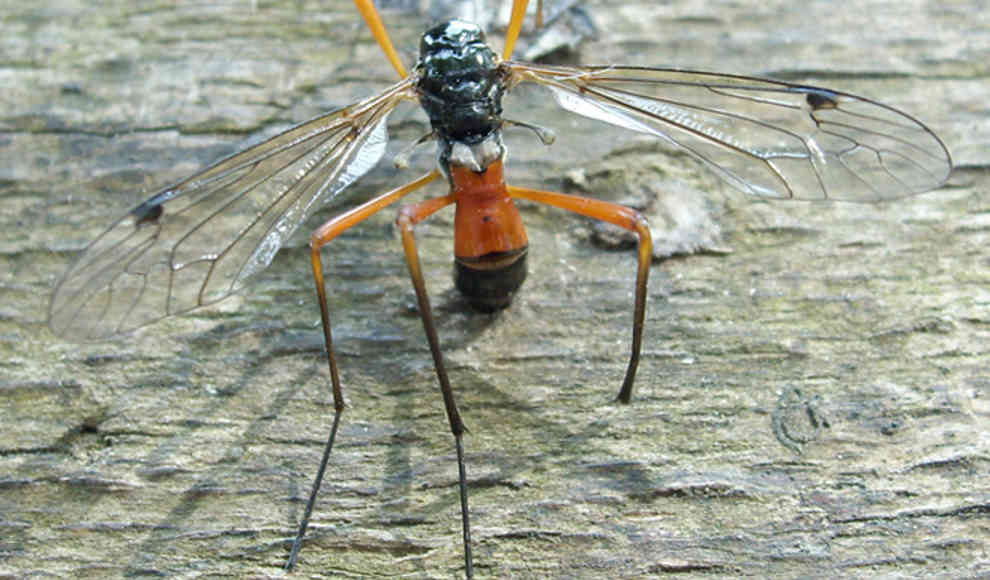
<point>490,241</point>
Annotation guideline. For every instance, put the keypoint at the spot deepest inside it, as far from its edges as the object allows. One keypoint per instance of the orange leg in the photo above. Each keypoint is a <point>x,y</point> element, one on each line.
<point>409,216</point>
<point>374,21</point>
<point>320,238</point>
<point>377,28</point>
<point>623,217</point>
<point>515,25</point>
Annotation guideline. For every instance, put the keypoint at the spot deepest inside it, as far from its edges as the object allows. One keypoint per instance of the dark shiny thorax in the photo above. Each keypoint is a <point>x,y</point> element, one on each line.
<point>460,82</point>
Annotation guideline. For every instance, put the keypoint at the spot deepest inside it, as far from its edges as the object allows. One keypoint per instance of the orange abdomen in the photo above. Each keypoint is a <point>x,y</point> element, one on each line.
<point>489,238</point>
<point>486,220</point>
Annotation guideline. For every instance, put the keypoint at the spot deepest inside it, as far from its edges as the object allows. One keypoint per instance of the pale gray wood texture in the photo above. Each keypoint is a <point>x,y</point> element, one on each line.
<point>813,400</point>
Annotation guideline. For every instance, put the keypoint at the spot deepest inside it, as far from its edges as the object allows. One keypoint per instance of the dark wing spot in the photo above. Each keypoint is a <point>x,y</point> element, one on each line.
<point>152,209</point>
<point>147,214</point>
<point>821,99</point>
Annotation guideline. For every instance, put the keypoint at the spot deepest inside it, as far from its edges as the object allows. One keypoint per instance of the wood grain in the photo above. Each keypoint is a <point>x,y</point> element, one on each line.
<point>813,399</point>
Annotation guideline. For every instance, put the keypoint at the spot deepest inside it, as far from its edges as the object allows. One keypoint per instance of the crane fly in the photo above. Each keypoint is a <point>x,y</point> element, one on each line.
<point>202,239</point>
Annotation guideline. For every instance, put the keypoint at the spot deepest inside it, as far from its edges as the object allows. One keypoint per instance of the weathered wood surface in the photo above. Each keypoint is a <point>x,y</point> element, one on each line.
<point>814,403</point>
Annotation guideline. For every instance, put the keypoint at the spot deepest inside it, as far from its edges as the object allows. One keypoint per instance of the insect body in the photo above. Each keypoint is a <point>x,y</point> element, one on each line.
<point>200,240</point>
<point>461,86</point>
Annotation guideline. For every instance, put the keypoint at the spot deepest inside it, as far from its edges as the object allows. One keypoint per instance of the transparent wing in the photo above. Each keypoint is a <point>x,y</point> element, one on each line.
<point>198,241</point>
<point>765,137</point>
